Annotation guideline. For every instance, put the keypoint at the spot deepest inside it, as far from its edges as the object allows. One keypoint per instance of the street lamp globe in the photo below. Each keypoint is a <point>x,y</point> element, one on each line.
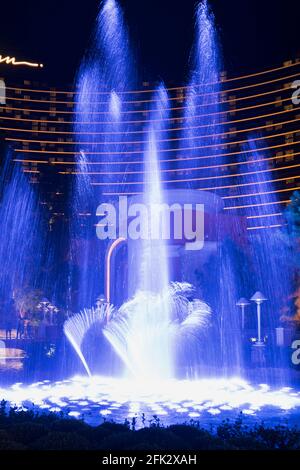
<point>258,298</point>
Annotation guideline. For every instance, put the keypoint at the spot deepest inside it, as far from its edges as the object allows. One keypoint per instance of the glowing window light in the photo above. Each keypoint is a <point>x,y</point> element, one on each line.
<point>170,129</point>
<point>199,179</point>
<point>248,184</point>
<point>147,111</point>
<point>175,98</point>
<point>31,161</point>
<point>263,72</point>
<point>12,61</point>
<point>263,192</point>
<point>175,149</point>
<point>143,131</point>
<point>204,178</point>
<point>212,188</point>
<point>224,165</point>
<point>245,206</point>
<point>258,227</point>
<point>276,214</point>
<point>138,142</point>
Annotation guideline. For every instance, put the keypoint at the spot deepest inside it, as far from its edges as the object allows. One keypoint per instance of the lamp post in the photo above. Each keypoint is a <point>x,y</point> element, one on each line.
<point>258,298</point>
<point>243,303</point>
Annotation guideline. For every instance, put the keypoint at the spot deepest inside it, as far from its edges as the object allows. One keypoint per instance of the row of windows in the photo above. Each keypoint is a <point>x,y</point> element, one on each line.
<point>273,116</point>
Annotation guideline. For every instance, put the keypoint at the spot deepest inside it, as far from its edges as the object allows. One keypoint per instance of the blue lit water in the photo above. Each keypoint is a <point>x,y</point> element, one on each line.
<point>232,271</point>
<point>207,401</point>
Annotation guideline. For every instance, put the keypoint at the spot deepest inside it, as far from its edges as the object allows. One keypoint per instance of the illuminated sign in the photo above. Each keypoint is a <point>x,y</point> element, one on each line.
<point>12,61</point>
<point>2,91</point>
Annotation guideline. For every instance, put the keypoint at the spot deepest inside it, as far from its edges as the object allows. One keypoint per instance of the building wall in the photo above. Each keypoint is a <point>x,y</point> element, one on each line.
<point>38,123</point>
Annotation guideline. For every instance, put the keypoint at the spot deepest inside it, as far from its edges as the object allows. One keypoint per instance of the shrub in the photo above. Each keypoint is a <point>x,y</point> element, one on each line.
<point>21,430</point>
<point>107,429</point>
<point>70,425</point>
<point>61,441</point>
<point>197,438</point>
<point>119,441</point>
<point>27,432</point>
<point>278,437</point>
<point>160,438</point>
<point>11,445</point>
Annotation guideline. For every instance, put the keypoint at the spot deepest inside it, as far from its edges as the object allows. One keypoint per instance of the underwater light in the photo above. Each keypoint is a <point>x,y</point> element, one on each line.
<point>173,399</point>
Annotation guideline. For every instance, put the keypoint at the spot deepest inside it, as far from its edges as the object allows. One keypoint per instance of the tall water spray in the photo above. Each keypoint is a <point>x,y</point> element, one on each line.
<point>101,127</point>
<point>201,146</point>
<point>21,243</point>
<point>146,338</point>
<point>153,254</point>
<point>143,333</point>
<point>269,253</point>
<point>200,139</point>
<point>144,330</point>
<point>150,339</point>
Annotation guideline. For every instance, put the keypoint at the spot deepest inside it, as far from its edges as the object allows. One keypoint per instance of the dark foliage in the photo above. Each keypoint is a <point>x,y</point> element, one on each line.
<point>21,430</point>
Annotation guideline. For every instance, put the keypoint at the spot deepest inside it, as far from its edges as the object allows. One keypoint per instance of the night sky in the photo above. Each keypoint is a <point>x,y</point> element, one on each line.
<point>254,35</point>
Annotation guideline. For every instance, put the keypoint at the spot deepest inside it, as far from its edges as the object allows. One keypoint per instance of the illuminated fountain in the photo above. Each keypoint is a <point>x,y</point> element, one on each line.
<point>151,329</point>
<point>162,318</point>
<point>145,327</point>
<point>165,329</point>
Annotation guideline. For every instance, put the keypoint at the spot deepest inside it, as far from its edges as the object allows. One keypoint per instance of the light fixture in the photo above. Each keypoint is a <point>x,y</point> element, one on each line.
<point>242,302</point>
<point>258,298</point>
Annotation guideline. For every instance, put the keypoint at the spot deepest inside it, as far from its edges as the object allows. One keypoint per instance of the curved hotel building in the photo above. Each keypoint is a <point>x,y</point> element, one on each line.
<point>249,158</point>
